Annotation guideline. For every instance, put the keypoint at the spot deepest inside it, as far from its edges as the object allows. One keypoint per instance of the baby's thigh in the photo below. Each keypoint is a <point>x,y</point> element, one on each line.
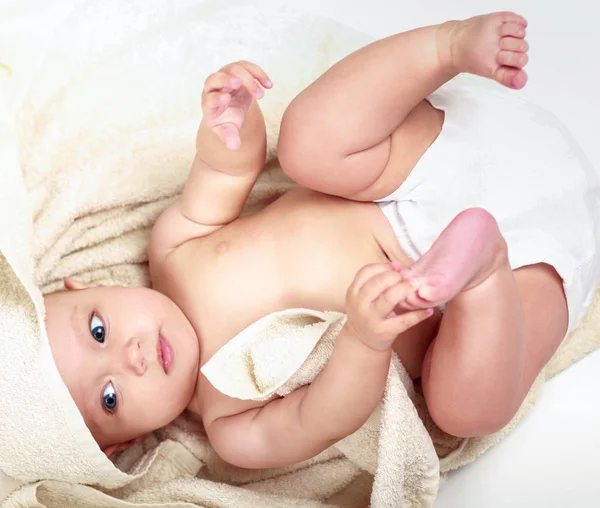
<point>412,345</point>
<point>364,175</point>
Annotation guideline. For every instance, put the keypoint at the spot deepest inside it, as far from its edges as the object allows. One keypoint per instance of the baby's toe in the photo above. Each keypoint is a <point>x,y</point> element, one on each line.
<point>415,301</point>
<point>512,59</point>
<point>514,44</point>
<point>512,30</point>
<point>513,17</point>
<point>511,77</point>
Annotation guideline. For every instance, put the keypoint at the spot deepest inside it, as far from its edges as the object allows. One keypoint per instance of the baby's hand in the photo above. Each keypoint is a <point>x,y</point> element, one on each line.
<point>227,95</point>
<point>371,305</point>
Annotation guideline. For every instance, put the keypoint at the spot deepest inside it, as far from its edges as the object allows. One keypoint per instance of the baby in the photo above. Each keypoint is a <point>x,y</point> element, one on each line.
<point>479,214</point>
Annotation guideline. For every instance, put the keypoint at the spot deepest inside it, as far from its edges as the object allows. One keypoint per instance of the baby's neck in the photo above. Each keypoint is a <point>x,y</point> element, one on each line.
<point>194,406</point>
<point>192,422</point>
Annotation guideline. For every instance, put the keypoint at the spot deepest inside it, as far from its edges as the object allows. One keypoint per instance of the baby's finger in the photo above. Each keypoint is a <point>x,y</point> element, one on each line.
<point>221,81</point>
<point>239,71</point>
<point>216,102</point>
<point>364,274</point>
<point>230,135</point>
<point>398,324</point>
<point>389,299</point>
<point>377,285</point>
<point>257,73</point>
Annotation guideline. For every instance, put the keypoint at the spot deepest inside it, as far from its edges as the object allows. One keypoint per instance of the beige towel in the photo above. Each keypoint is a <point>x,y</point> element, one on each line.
<point>286,350</point>
<point>106,140</point>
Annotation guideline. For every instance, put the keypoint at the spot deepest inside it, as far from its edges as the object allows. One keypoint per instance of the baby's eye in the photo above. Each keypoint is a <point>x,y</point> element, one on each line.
<point>97,328</point>
<point>109,398</point>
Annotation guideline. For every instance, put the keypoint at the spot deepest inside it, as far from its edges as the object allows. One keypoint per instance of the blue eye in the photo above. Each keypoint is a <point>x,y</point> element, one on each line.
<point>97,328</point>
<point>109,398</point>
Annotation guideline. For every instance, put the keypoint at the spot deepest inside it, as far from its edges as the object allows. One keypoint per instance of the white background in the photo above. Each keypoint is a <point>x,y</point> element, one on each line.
<point>550,460</point>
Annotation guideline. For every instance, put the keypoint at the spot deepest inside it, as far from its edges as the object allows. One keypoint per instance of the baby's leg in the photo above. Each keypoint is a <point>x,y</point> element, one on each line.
<point>359,129</point>
<point>498,330</point>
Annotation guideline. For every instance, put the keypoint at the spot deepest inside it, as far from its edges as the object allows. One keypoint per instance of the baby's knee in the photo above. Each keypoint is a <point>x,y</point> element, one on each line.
<point>294,147</point>
<point>312,158</point>
<point>469,418</point>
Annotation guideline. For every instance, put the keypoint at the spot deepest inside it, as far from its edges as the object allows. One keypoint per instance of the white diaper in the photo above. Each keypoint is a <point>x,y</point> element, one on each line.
<point>519,162</point>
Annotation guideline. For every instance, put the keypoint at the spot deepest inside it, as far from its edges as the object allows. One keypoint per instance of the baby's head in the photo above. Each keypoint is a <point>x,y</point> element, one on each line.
<point>128,356</point>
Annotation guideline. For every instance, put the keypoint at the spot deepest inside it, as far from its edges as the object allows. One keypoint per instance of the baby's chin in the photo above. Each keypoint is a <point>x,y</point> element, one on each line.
<point>185,365</point>
<point>194,406</point>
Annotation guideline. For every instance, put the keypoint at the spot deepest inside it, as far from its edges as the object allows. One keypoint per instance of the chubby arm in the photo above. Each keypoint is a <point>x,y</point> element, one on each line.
<point>309,420</point>
<point>230,154</point>
<point>341,398</point>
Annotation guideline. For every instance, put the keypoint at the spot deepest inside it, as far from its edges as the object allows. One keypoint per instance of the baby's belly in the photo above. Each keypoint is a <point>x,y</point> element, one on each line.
<point>324,241</point>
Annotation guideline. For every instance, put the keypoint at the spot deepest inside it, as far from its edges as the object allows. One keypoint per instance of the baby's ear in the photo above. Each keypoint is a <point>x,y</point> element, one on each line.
<point>112,450</point>
<point>73,285</point>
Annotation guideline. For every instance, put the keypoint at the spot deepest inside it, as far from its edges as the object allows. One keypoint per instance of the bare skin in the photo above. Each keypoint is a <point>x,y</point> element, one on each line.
<point>226,272</point>
<point>315,250</point>
<point>467,253</point>
<point>472,386</point>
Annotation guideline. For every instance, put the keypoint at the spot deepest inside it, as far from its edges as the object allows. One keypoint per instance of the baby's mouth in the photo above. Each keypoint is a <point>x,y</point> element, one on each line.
<point>164,353</point>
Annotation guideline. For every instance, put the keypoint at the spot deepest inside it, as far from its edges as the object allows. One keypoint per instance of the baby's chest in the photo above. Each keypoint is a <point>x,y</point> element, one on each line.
<point>224,285</point>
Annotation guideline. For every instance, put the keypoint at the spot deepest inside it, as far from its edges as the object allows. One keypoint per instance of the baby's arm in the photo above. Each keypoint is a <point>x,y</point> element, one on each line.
<point>230,154</point>
<point>341,398</point>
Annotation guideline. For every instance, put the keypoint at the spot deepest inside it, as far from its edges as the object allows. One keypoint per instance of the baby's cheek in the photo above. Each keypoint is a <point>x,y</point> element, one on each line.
<point>181,391</point>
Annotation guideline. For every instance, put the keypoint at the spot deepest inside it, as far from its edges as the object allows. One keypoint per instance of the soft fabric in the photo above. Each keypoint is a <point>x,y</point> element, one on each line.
<point>259,362</point>
<point>106,139</point>
<point>286,350</point>
<point>532,177</point>
<point>37,411</point>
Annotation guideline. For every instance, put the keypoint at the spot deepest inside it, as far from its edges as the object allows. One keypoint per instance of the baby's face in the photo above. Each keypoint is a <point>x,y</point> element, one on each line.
<point>128,356</point>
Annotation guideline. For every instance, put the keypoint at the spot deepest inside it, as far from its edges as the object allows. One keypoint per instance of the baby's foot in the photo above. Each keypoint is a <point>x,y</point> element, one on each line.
<point>467,253</point>
<point>492,46</point>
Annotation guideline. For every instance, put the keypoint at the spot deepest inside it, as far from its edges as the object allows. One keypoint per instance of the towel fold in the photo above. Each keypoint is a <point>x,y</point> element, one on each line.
<point>260,361</point>
<point>286,350</point>
<point>106,139</point>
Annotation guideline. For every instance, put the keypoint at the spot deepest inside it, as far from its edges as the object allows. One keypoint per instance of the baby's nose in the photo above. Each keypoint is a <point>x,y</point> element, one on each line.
<point>135,356</point>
